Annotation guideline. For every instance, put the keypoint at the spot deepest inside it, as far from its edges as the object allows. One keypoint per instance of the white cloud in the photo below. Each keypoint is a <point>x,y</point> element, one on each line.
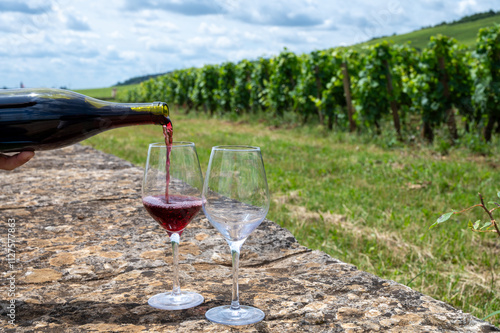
<point>329,24</point>
<point>23,7</point>
<point>185,7</point>
<point>251,36</point>
<point>223,42</point>
<point>77,24</point>
<point>464,5</point>
<point>90,43</point>
<point>212,28</point>
<point>116,34</point>
<point>199,41</point>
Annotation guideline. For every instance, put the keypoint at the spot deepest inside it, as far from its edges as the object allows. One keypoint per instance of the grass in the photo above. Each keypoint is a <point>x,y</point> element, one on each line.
<point>364,200</point>
<point>464,33</point>
<point>105,93</point>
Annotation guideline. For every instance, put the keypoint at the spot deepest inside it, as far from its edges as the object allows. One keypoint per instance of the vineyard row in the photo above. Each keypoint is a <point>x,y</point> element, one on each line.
<point>442,84</point>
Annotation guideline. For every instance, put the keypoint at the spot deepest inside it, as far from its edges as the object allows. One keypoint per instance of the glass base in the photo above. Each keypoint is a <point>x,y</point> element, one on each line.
<point>168,301</point>
<point>246,315</point>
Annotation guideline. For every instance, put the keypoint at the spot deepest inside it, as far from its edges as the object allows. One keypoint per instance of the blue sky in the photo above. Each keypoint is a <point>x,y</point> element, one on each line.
<point>90,43</point>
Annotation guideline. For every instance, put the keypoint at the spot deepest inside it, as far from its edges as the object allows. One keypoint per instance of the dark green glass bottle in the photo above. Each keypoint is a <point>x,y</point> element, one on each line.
<point>43,119</point>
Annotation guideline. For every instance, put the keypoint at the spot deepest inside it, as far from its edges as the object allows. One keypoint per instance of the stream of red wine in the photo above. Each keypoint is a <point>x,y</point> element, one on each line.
<point>168,133</point>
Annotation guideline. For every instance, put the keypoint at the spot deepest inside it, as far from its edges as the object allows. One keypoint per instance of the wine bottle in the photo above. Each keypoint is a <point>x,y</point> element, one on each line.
<point>44,119</point>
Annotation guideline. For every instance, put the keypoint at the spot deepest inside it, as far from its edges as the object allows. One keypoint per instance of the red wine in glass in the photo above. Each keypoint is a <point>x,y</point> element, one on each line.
<point>175,214</point>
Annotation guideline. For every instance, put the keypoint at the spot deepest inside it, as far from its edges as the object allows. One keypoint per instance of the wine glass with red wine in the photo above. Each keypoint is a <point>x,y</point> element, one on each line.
<point>171,193</point>
<point>235,201</point>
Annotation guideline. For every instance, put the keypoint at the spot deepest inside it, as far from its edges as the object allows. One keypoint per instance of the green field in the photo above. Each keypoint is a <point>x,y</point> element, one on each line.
<point>104,93</point>
<point>464,33</point>
<point>362,202</point>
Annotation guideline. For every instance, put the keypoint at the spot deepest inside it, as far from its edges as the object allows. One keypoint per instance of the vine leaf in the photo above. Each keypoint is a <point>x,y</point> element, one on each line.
<point>487,224</point>
<point>442,218</point>
<point>476,224</point>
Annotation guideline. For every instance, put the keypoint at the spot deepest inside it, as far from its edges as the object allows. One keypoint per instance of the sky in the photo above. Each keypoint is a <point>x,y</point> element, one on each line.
<point>90,44</point>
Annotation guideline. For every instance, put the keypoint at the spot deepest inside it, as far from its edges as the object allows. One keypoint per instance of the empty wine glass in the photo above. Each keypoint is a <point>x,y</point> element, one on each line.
<point>171,193</point>
<point>235,201</point>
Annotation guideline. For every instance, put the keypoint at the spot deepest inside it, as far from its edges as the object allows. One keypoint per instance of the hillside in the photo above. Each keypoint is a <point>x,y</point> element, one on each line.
<point>104,93</point>
<point>465,33</point>
<point>138,79</point>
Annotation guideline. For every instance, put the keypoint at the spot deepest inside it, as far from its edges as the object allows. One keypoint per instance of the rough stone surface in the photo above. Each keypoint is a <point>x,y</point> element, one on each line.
<point>88,257</point>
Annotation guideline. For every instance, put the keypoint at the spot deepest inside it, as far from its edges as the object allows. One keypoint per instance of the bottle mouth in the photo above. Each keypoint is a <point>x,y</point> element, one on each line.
<point>166,120</point>
<point>162,108</point>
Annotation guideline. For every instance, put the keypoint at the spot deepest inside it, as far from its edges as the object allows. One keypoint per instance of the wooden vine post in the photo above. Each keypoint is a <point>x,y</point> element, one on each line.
<point>392,99</point>
<point>318,93</point>
<point>450,115</point>
<point>488,49</point>
<point>347,93</point>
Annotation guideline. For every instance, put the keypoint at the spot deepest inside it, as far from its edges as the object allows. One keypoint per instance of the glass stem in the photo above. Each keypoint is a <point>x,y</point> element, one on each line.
<point>174,240</point>
<point>235,254</point>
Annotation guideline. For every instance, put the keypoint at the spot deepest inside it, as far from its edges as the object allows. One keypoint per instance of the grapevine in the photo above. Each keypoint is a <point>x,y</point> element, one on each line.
<point>440,84</point>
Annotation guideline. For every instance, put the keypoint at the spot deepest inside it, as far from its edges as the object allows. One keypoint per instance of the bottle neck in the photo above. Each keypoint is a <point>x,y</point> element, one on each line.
<point>153,113</point>
<point>158,108</point>
<point>159,111</point>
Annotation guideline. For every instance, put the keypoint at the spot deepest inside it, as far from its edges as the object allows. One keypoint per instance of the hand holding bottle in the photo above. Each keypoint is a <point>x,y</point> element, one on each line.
<point>11,162</point>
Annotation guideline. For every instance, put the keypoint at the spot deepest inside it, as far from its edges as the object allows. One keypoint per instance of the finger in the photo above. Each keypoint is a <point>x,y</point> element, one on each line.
<point>12,162</point>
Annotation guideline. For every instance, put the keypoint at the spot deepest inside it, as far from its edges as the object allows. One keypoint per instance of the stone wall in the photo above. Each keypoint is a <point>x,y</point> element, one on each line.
<point>88,257</point>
